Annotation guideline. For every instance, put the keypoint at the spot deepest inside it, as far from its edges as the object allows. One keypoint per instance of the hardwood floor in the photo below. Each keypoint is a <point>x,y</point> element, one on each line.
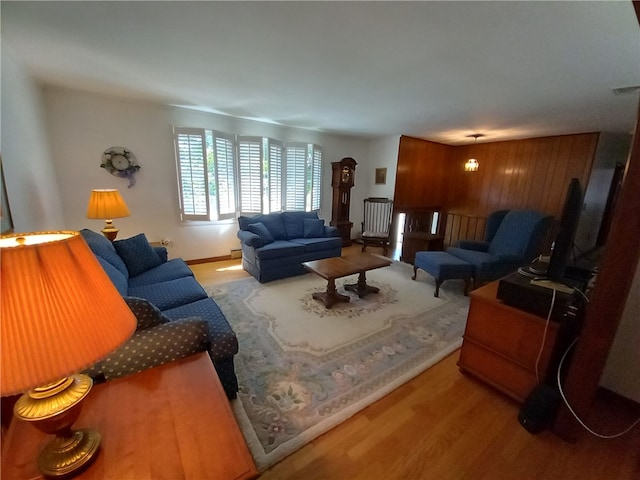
<point>445,425</point>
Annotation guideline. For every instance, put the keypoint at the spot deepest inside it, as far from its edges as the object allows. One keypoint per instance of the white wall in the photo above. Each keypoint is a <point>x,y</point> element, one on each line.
<point>83,125</point>
<point>382,153</point>
<point>622,370</point>
<point>30,176</point>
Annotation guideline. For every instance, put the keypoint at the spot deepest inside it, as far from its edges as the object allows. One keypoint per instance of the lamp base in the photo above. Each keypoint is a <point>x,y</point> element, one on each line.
<point>69,453</point>
<point>109,230</point>
<point>110,234</point>
<point>53,408</point>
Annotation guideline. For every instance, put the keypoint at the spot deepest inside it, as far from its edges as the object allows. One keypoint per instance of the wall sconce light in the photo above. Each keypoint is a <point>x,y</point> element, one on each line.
<point>472,164</point>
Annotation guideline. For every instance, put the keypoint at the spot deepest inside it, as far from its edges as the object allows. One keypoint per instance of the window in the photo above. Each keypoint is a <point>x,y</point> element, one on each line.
<point>222,175</point>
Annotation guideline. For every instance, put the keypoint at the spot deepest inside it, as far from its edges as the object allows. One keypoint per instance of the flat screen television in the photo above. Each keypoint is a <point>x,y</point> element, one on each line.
<point>563,245</point>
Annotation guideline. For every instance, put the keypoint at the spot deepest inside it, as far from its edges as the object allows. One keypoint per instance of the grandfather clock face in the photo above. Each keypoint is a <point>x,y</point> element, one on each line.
<point>345,175</point>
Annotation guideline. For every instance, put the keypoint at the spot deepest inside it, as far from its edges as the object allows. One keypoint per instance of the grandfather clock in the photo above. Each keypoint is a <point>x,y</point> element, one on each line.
<point>342,179</point>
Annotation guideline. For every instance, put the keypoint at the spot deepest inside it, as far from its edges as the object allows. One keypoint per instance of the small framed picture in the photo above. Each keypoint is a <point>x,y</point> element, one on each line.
<point>381,176</point>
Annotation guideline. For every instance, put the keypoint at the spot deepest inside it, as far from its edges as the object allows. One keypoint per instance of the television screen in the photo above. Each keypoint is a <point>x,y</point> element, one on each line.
<point>563,245</point>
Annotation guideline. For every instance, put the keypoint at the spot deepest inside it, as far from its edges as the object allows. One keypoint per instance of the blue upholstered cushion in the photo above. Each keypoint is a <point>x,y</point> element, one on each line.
<point>174,268</point>
<point>273,222</point>
<point>249,238</point>
<point>137,254</point>
<point>313,228</point>
<point>118,278</point>
<point>102,247</point>
<point>516,232</point>
<point>330,231</point>
<point>262,231</point>
<point>223,339</point>
<point>170,294</point>
<point>442,265</point>
<point>294,223</point>
<point>156,346</point>
<point>318,244</point>
<point>147,314</point>
<point>479,260</point>
<point>279,248</point>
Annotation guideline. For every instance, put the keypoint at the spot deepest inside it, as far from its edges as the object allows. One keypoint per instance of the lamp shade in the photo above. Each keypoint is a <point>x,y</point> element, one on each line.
<point>106,203</point>
<point>60,311</point>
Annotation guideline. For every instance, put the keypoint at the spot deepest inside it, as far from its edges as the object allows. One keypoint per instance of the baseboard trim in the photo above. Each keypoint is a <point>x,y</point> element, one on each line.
<point>208,260</point>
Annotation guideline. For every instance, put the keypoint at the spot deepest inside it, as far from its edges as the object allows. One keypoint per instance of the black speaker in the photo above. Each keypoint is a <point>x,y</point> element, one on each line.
<point>539,409</point>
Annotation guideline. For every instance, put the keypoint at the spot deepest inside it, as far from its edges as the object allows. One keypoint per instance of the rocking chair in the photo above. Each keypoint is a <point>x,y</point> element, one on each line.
<point>376,227</point>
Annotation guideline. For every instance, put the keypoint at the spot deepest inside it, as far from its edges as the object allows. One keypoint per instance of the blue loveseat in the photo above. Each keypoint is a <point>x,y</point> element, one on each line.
<point>175,316</point>
<point>274,245</point>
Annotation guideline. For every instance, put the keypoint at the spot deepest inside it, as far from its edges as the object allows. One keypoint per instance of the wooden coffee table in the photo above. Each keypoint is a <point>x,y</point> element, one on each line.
<point>337,267</point>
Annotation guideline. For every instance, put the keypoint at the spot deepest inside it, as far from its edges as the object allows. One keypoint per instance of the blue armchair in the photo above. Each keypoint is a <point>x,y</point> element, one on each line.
<point>491,227</point>
<point>517,240</point>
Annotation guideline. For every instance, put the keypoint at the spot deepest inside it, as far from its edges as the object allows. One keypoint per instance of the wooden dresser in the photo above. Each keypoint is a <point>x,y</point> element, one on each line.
<point>172,421</point>
<point>501,344</point>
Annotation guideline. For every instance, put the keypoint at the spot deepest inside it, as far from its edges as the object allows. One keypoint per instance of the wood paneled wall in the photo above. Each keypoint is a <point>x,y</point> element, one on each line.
<point>532,173</point>
<point>423,174</point>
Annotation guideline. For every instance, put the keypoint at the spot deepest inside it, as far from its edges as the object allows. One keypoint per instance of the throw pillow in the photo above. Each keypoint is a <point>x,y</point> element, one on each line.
<point>262,231</point>
<point>137,254</point>
<point>313,228</point>
<point>147,314</point>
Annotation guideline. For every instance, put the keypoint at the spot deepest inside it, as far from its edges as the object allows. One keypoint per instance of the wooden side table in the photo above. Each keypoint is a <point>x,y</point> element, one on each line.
<point>171,421</point>
<point>413,242</point>
<point>501,344</point>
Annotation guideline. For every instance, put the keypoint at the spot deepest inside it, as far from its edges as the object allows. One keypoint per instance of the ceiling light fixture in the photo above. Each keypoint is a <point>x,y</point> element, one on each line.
<point>472,164</point>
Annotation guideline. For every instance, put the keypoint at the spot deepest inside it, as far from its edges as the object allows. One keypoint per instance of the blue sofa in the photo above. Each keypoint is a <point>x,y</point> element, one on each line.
<point>274,245</point>
<point>175,316</point>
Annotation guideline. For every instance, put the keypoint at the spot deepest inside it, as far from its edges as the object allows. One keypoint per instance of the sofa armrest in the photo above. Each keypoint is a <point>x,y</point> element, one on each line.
<point>330,231</point>
<point>162,253</point>
<point>476,245</point>
<point>250,239</point>
<point>156,346</point>
<point>147,314</point>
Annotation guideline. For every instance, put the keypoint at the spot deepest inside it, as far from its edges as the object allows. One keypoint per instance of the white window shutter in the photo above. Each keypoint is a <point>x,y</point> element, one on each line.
<point>250,170</point>
<point>224,149</point>
<point>295,174</point>
<point>316,177</point>
<point>276,175</point>
<point>191,161</point>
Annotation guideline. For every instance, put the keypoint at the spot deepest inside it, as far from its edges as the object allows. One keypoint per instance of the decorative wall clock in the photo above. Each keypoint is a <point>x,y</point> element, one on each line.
<point>120,162</point>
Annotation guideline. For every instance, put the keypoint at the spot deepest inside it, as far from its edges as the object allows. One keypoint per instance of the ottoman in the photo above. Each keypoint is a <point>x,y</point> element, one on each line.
<point>443,266</point>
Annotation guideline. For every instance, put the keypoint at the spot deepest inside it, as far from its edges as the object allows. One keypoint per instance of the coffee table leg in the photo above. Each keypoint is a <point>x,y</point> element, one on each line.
<point>331,296</point>
<point>361,288</point>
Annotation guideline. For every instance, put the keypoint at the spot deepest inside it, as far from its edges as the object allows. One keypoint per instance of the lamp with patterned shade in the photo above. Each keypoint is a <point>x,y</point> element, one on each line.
<point>60,314</point>
<point>107,204</point>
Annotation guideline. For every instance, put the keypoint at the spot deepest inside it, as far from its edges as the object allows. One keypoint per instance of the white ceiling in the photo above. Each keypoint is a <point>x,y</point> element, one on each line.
<point>436,70</point>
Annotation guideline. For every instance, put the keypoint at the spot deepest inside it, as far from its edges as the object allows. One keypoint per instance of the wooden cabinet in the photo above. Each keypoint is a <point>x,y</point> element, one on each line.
<point>501,344</point>
<point>413,242</point>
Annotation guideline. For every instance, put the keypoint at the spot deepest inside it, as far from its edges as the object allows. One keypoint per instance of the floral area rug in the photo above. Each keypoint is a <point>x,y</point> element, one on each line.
<point>303,368</point>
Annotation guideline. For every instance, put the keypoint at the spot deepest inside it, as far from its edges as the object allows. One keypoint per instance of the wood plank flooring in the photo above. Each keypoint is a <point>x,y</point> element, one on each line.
<point>445,425</point>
